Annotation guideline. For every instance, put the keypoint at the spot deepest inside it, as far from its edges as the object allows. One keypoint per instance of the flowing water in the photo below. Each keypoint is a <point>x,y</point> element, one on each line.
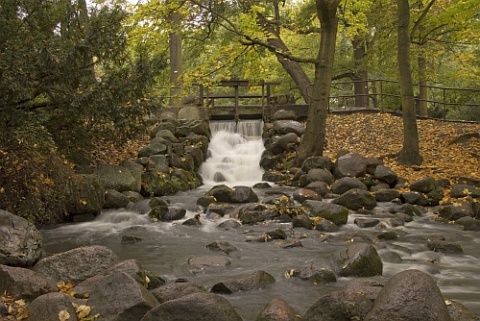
<point>166,247</point>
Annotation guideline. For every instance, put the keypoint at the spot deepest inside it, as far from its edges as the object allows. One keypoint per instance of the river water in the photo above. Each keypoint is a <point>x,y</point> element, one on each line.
<point>166,247</point>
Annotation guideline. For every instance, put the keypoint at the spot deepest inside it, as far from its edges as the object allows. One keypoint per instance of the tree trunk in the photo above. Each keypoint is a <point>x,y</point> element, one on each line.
<point>361,75</point>
<point>176,66</point>
<point>410,153</point>
<point>314,139</point>
<point>293,68</point>
<point>422,82</point>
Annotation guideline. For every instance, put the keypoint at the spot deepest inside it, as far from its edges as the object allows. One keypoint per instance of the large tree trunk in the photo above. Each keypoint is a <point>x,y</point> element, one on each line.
<point>410,153</point>
<point>422,82</point>
<point>176,66</point>
<point>293,68</point>
<point>313,141</point>
<point>361,75</point>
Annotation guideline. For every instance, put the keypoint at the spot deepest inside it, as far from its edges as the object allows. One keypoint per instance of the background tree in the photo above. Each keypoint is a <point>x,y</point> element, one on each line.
<point>410,153</point>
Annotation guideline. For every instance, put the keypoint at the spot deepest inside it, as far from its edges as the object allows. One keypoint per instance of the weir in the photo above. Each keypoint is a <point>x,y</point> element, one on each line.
<point>234,153</point>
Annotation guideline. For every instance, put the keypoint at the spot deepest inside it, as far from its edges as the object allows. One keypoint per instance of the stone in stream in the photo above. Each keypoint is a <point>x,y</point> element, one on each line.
<point>278,310</point>
<point>223,246</point>
<point>344,184</point>
<point>194,307</point>
<point>255,281</point>
<point>356,199</point>
<point>409,295</point>
<point>201,263</point>
<point>175,290</point>
<point>359,260</point>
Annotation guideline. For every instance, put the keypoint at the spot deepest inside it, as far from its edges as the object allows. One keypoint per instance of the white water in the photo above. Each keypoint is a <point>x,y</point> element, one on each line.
<point>235,150</point>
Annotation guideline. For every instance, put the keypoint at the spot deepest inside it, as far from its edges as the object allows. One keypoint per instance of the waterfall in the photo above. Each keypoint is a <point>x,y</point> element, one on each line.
<point>234,153</point>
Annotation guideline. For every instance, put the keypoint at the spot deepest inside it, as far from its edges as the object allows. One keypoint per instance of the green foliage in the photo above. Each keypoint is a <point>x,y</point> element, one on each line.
<point>70,70</point>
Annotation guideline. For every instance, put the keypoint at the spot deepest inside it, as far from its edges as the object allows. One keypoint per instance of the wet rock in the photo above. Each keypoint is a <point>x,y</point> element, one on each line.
<point>289,244</point>
<point>366,222</point>
<point>194,221</point>
<point>320,174</point>
<point>130,239</point>
<point>302,221</point>
<point>176,290</point>
<point>322,162</point>
<point>303,194</point>
<point>387,236</point>
<point>23,283</point>
<point>414,198</point>
<point>222,246</point>
<point>391,257</point>
<point>351,164</point>
<point>409,209</point>
<point>424,185</point>
<point>358,260</point>
<point>441,245</point>
<point>313,275</point>
<point>20,241</point>
<point>201,263</point>
<point>325,225</point>
<point>456,211</point>
<point>243,194</point>
<point>385,174</point>
<point>339,306</point>
<point>115,199</point>
<point>344,184</point>
<point>194,307</point>
<point>119,297</point>
<point>386,195</point>
<point>469,223</point>
<point>277,234</point>
<point>255,281</point>
<point>230,224</point>
<point>409,295</point>
<point>458,312</point>
<point>85,195</point>
<point>155,183</point>
<point>319,187</point>
<point>46,307</point>
<point>335,213</point>
<point>379,187</point>
<point>133,196</point>
<point>158,163</point>
<point>356,199</point>
<point>76,265</point>
<point>278,310</point>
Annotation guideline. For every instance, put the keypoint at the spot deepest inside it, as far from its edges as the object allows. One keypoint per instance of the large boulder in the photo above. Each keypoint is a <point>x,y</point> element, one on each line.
<point>20,241</point>
<point>189,113</point>
<point>85,194</point>
<point>255,281</point>
<point>156,183</point>
<point>351,164</point>
<point>47,307</point>
<point>358,260</point>
<point>385,174</point>
<point>194,307</point>
<point>320,174</point>
<point>424,185</point>
<point>76,265</point>
<point>24,283</point>
<point>356,199</point>
<point>339,306</point>
<point>289,126</point>
<point>335,213</point>
<point>409,295</point>
<point>118,178</point>
<point>115,199</point>
<point>119,297</point>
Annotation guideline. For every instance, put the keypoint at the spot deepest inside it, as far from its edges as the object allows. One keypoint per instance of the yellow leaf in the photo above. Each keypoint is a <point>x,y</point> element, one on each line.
<point>63,315</point>
<point>83,311</point>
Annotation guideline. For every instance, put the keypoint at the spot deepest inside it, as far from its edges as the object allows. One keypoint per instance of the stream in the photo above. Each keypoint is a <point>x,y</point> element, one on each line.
<point>166,247</point>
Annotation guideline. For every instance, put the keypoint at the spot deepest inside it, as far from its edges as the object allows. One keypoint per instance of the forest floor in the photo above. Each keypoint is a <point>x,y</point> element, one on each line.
<point>380,135</point>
